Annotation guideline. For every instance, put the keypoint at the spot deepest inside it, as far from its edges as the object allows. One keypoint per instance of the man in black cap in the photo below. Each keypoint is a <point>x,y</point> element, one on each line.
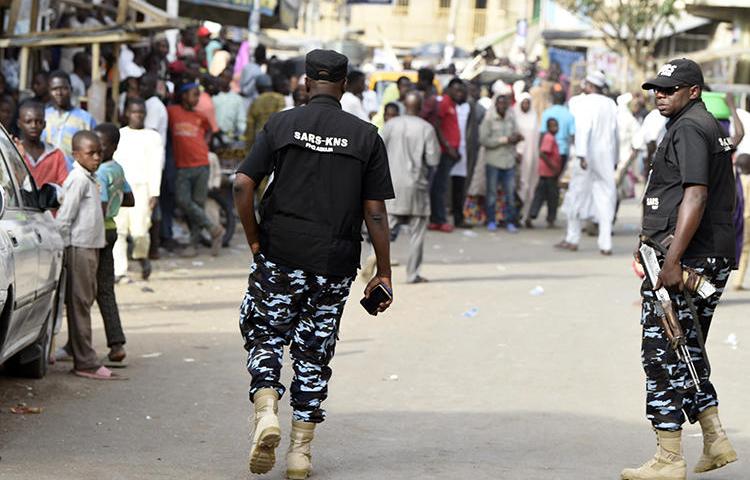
<point>330,171</point>
<point>689,198</point>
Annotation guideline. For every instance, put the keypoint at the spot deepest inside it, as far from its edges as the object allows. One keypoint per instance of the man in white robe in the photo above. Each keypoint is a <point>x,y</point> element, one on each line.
<point>596,147</point>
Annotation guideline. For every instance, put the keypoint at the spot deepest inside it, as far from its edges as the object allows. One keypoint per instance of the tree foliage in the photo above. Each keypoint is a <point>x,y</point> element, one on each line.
<point>628,27</point>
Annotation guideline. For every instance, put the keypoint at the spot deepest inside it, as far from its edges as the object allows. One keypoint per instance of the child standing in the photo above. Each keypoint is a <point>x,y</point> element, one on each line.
<point>141,155</point>
<point>81,225</point>
<point>115,192</point>
<point>550,167</point>
<point>46,163</point>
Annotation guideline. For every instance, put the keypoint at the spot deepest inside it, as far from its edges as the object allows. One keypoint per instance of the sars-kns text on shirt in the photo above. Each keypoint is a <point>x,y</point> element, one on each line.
<point>322,144</point>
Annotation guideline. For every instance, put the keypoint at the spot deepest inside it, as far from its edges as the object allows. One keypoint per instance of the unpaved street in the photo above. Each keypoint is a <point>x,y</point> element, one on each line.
<point>469,376</point>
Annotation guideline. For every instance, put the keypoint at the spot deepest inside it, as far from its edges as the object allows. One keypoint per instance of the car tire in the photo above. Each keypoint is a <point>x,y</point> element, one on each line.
<point>39,351</point>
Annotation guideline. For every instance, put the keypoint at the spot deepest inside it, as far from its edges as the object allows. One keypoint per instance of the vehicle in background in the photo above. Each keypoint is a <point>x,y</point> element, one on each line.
<point>380,80</point>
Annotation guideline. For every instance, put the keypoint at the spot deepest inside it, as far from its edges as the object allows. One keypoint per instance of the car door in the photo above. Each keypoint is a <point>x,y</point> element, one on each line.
<point>42,225</point>
<point>9,201</point>
<point>23,249</point>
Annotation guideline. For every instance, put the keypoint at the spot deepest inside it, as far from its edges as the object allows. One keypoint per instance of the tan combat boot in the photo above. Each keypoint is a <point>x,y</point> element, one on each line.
<point>298,458</point>
<point>667,463</point>
<point>266,432</point>
<point>717,451</point>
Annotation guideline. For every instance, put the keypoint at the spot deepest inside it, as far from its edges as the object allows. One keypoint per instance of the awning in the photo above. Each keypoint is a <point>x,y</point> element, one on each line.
<point>560,30</point>
<point>492,39</point>
<point>723,11</point>
<point>149,19</point>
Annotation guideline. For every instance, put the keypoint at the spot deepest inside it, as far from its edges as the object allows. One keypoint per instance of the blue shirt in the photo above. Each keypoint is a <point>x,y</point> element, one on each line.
<point>112,188</point>
<point>62,125</point>
<point>565,122</point>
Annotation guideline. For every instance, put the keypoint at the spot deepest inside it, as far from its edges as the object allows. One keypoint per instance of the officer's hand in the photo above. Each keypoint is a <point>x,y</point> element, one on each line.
<point>255,248</point>
<point>670,277</point>
<point>584,163</point>
<point>377,280</point>
<point>153,202</point>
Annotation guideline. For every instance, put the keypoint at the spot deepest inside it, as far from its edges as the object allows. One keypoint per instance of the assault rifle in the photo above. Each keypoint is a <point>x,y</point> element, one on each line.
<point>669,321</point>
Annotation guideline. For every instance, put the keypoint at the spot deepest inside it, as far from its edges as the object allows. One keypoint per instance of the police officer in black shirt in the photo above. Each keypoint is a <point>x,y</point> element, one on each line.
<point>329,171</point>
<point>690,195</point>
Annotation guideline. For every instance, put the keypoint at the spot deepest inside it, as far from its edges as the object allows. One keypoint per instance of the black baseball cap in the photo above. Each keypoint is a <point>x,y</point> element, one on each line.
<point>680,71</point>
<point>326,65</point>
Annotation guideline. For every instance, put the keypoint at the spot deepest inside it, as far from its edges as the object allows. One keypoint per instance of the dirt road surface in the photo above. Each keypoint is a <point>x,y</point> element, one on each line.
<point>468,376</point>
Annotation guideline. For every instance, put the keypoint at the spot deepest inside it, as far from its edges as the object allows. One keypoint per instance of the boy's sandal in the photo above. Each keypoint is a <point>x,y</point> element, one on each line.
<point>102,373</point>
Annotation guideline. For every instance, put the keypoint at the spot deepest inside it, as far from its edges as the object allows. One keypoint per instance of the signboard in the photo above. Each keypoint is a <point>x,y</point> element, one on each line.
<point>369,2</point>
<point>267,7</point>
<point>565,58</point>
<point>274,13</point>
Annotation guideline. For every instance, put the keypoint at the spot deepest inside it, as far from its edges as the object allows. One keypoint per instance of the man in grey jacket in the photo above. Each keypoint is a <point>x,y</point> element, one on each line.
<point>413,149</point>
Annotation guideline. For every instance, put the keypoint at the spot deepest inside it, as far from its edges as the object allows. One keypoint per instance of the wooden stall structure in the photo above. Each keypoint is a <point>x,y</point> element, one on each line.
<point>134,21</point>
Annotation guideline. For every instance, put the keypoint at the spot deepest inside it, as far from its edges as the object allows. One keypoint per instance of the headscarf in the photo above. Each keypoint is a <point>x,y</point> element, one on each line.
<point>243,57</point>
<point>524,118</point>
<point>527,124</point>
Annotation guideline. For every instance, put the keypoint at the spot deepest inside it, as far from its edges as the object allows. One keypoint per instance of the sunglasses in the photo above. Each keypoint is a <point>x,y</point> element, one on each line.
<point>668,91</point>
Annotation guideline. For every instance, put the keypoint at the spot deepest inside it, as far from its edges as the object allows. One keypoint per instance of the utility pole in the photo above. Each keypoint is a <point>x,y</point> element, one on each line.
<point>253,27</point>
<point>173,9</point>
<point>450,42</point>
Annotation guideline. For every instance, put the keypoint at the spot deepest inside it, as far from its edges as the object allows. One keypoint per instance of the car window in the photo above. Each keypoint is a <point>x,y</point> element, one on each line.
<point>7,186</point>
<point>20,173</point>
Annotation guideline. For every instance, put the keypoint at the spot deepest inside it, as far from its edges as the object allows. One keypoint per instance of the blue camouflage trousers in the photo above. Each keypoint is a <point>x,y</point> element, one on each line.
<point>669,392</point>
<point>284,306</point>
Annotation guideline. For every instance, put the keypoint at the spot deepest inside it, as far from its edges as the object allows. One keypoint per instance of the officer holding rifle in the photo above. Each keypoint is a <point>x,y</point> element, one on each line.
<point>687,219</point>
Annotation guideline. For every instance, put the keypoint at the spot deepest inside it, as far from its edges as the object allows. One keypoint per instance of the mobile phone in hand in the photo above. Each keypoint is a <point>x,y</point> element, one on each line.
<point>378,295</point>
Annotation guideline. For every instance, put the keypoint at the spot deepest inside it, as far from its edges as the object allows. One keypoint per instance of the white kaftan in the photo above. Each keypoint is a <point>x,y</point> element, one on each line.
<point>597,141</point>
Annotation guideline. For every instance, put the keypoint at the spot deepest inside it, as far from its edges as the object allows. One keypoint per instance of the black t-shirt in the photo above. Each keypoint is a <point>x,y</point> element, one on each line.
<point>325,164</point>
<point>695,151</point>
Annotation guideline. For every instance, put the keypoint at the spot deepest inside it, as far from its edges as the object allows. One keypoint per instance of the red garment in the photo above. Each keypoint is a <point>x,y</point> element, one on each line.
<point>449,122</point>
<point>188,129</point>
<point>50,167</point>
<point>206,107</point>
<point>429,108</point>
<point>549,146</point>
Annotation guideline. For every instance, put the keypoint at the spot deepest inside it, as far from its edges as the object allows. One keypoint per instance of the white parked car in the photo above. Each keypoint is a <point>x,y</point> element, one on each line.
<point>31,267</point>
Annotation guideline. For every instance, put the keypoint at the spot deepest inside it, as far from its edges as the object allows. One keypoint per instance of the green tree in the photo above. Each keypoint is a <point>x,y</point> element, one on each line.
<point>628,27</point>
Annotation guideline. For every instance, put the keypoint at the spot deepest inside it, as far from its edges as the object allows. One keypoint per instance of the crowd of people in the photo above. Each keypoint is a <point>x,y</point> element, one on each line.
<point>122,184</point>
<point>504,151</point>
<point>462,155</point>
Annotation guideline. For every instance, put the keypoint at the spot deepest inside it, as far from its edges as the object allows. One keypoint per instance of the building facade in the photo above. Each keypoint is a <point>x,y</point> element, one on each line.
<point>405,24</point>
